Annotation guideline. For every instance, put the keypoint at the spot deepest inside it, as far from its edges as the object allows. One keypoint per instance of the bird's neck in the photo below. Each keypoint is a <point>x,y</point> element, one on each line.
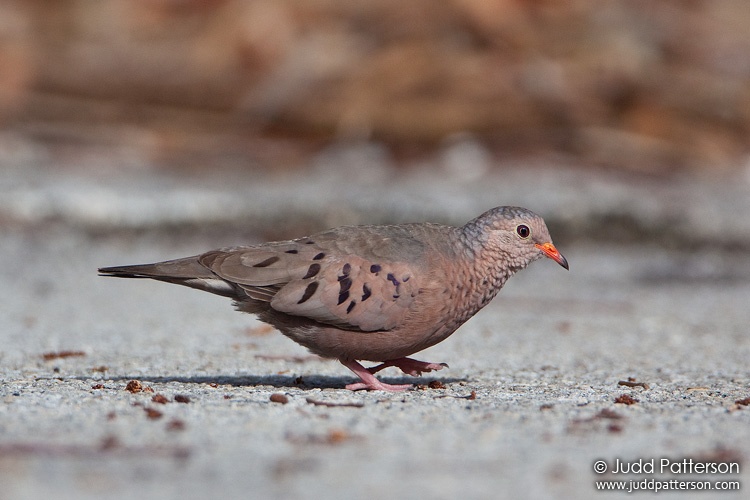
<point>483,274</point>
<point>493,273</point>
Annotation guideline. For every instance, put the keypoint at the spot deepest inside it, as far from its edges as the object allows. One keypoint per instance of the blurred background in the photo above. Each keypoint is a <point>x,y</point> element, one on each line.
<point>625,117</point>
<point>651,87</point>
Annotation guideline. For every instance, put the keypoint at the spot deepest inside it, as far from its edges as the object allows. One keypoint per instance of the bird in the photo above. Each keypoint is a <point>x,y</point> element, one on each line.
<point>374,293</point>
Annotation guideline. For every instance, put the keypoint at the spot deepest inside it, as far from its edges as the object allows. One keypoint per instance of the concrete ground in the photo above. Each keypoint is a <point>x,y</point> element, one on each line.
<point>528,405</point>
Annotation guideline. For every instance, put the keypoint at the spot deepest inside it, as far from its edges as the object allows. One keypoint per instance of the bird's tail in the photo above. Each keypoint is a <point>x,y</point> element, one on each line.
<point>187,272</point>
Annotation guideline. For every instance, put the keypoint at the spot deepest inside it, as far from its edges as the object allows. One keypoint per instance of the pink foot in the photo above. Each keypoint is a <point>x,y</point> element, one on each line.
<point>369,381</point>
<point>409,366</point>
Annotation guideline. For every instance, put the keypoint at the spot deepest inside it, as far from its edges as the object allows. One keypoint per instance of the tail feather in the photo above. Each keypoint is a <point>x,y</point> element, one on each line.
<point>187,272</point>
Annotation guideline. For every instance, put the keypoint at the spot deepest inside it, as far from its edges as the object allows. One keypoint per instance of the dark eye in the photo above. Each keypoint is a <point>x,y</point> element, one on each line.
<point>523,231</point>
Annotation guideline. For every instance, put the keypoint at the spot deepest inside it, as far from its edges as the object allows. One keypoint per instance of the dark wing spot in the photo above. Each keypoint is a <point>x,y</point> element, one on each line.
<point>309,291</point>
<point>375,268</point>
<point>392,279</point>
<point>309,242</point>
<point>405,278</point>
<point>347,269</point>
<point>293,250</point>
<point>267,262</point>
<point>343,297</point>
<point>351,306</point>
<point>396,296</point>
<point>345,282</point>
<point>319,256</point>
<point>312,271</point>
<point>366,292</point>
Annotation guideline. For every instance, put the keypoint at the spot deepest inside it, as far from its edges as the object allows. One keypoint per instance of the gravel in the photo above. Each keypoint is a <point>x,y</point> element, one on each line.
<point>231,409</point>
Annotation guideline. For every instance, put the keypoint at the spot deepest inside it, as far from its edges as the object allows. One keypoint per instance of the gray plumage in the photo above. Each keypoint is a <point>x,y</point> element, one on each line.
<point>376,293</point>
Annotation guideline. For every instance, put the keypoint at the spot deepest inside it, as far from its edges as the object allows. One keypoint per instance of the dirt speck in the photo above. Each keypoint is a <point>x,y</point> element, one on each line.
<point>134,386</point>
<point>48,356</point>
<point>160,398</point>
<point>336,436</point>
<point>625,399</point>
<point>176,425</point>
<point>109,443</point>
<point>279,398</point>
<point>631,382</point>
<point>153,413</point>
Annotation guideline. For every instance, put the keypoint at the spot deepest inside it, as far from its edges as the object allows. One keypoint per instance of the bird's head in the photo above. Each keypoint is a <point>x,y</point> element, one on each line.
<point>516,234</point>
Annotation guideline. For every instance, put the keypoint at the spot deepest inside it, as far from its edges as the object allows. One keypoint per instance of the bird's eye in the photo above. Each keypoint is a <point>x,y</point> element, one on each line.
<point>523,231</point>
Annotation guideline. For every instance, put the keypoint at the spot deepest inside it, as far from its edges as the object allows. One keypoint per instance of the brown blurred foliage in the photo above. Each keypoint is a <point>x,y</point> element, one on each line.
<point>628,83</point>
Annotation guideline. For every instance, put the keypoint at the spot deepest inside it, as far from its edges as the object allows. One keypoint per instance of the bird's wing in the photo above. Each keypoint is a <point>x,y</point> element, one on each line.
<point>360,280</point>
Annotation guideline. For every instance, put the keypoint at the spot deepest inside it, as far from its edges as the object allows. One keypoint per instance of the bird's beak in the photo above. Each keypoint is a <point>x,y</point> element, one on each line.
<point>549,250</point>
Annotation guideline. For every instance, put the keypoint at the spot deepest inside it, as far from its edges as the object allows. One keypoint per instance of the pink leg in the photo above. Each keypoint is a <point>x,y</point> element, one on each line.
<point>409,366</point>
<point>368,379</point>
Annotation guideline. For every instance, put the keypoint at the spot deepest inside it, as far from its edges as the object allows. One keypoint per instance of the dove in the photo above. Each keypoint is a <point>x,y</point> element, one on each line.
<point>376,293</point>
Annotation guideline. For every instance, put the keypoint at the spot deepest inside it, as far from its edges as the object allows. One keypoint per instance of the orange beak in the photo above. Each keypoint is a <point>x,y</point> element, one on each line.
<point>549,250</point>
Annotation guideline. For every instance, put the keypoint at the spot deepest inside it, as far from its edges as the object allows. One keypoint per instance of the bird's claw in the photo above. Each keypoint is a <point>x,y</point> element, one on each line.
<point>409,366</point>
<point>378,386</point>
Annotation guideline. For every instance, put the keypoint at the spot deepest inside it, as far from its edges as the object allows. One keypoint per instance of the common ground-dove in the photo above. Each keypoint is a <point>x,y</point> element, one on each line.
<point>375,293</point>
